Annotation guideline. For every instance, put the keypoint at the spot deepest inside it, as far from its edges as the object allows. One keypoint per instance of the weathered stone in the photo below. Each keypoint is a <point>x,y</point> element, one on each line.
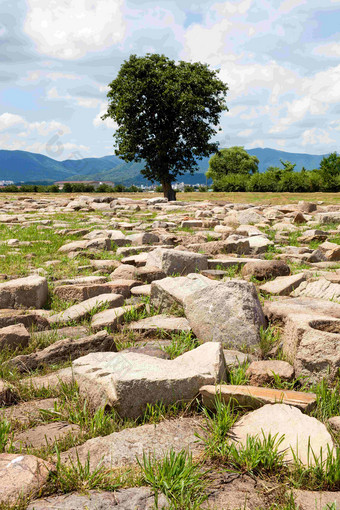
<point>299,430</point>
<point>45,434</point>
<point>82,280</point>
<point>283,285</point>
<point>171,292</point>
<point>228,312</point>
<point>82,310</point>
<point>139,498</point>
<point>328,217</point>
<point>141,290</point>
<point>143,238</point>
<point>321,288</point>
<point>310,500</point>
<point>176,261</point>
<point>51,381</point>
<point>14,336</point>
<point>313,235</point>
<point>73,247</point>
<point>235,358</point>
<point>225,263</point>
<point>130,381</point>
<point>29,292</point>
<point>28,318</point>
<point>27,411</point>
<point>265,269</point>
<point>8,394</point>
<point>279,311</point>
<point>125,272</point>
<point>259,244</point>
<point>312,343</point>
<point>306,207</point>
<point>64,350</point>
<point>112,318</point>
<point>21,475</point>
<point>122,448</point>
<point>160,323</point>
<point>262,372</point>
<point>254,397</point>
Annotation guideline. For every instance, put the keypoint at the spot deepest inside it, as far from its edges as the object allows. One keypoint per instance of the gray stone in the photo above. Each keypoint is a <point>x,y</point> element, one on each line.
<point>321,288</point>
<point>121,448</point>
<point>82,310</point>
<point>176,261</point>
<point>171,292</point>
<point>136,498</point>
<point>112,318</point>
<point>131,381</point>
<point>161,323</point>
<point>228,312</point>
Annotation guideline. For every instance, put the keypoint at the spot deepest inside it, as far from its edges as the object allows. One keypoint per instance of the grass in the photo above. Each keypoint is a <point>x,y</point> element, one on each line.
<point>176,476</point>
<point>269,338</point>
<point>237,374</point>
<point>180,343</point>
<point>327,400</point>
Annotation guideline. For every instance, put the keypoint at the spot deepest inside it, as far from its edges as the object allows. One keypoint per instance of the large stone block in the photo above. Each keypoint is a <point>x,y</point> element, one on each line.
<point>29,292</point>
<point>176,261</point>
<point>130,381</point>
<point>228,312</point>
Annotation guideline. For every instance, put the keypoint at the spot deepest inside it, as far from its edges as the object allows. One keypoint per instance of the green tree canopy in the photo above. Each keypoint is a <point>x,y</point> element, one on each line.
<point>166,113</point>
<point>234,160</point>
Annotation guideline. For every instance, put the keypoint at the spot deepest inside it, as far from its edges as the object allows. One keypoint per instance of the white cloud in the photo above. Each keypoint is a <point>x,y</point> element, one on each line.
<point>45,128</point>
<point>10,120</point>
<point>109,123</point>
<point>245,132</point>
<point>69,29</point>
<point>328,50</point>
<point>315,137</point>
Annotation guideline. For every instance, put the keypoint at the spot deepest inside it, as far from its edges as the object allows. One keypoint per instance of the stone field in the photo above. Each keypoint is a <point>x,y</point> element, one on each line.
<point>169,355</point>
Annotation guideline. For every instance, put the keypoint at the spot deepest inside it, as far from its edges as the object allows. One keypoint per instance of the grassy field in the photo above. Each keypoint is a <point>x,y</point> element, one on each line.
<point>241,197</point>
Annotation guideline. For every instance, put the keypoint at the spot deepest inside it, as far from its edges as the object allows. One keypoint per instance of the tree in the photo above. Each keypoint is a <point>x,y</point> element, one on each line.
<point>166,113</point>
<point>234,160</point>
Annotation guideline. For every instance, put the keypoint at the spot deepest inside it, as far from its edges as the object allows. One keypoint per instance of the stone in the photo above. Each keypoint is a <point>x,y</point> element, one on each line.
<point>259,244</point>
<point>82,310</point>
<point>279,311</point>
<point>29,292</point>
<point>254,397</point>
<point>318,500</point>
<point>283,285</point>
<point>67,349</point>
<point>149,274</point>
<point>334,424</point>
<point>130,381</point>
<point>141,290</point>
<point>140,498</point>
<point>8,394</point>
<point>82,280</point>
<point>321,289</point>
<point>299,218</point>
<point>143,238</point>
<point>225,263</point>
<point>14,336</point>
<point>228,312</point>
<point>42,435</point>
<point>239,492</point>
<point>328,217</point>
<point>21,475</point>
<point>51,381</point>
<point>120,449</point>
<point>125,272</point>
<point>29,318</point>
<point>177,262</point>
<point>312,344</point>
<point>171,292</point>
<point>307,207</point>
<point>112,318</point>
<point>24,412</point>
<point>73,247</point>
<point>265,269</point>
<point>160,324</point>
<point>313,235</point>
<point>299,430</point>
<point>105,265</point>
<point>262,372</point>
<point>235,358</point>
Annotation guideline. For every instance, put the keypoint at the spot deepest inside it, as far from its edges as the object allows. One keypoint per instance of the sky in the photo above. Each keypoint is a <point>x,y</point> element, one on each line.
<point>280,59</point>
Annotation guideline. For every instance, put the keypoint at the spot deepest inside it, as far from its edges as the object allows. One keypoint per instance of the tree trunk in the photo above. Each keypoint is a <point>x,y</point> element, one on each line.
<point>168,192</point>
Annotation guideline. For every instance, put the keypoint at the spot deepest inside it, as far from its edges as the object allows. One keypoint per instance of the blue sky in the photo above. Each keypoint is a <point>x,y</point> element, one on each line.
<point>280,59</point>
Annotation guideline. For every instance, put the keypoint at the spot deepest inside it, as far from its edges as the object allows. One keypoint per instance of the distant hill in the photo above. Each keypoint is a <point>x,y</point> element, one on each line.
<point>22,166</point>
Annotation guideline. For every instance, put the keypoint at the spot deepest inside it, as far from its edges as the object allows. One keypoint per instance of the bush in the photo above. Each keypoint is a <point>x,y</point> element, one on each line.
<point>231,182</point>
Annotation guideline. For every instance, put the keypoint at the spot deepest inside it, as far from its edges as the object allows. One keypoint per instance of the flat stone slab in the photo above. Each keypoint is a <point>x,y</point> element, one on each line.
<point>28,318</point>
<point>112,318</point>
<point>82,310</point>
<point>121,448</point>
<point>321,289</point>
<point>159,323</point>
<point>42,435</point>
<point>141,290</point>
<point>280,310</point>
<point>130,381</point>
<point>176,261</point>
<point>298,429</point>
<point>27,411</point>
<point>225,263</point>
<point>141,498</point>
<point>254,396</point>
<point>283,285</point>
<point>21,474</point>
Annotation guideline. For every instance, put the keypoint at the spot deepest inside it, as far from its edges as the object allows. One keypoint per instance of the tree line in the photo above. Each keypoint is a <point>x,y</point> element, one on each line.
<point>235,170</point>
<point>70,187</point>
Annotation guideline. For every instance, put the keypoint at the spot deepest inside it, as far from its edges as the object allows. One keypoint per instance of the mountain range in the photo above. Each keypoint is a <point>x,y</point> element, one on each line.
<point>22,166</point>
